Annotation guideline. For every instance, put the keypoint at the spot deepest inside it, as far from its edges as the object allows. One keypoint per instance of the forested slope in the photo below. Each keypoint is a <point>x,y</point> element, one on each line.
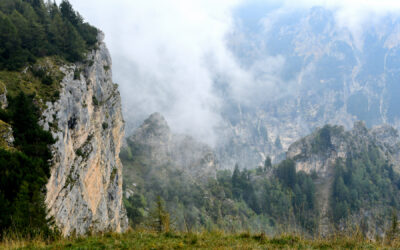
<point>35,40</point>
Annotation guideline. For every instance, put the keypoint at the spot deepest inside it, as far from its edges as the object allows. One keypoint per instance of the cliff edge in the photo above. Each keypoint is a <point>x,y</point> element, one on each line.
<point>84,192</point>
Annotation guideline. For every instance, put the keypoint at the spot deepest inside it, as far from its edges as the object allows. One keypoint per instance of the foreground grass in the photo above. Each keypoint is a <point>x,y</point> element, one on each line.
<point>206,240</point>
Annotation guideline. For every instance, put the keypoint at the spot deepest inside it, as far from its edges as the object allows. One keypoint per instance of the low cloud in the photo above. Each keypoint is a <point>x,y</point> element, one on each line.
<point>168,54</point>
<point>357,16</point>
<point>161,52</point>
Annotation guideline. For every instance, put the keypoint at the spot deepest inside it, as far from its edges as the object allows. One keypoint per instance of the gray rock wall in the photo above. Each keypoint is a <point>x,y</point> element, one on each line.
<point>84,192</point>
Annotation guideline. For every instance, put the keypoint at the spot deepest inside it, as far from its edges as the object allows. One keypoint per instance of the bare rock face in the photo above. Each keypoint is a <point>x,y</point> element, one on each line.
<point>3,96</point>
<point>84,192</point>
<point>319,151</point>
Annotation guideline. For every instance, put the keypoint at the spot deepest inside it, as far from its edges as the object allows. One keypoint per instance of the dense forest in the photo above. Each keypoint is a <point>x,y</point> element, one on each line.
<point>272,198</point>
<point>267,199</point>
<point>24,171</point>
<point>30,30</point>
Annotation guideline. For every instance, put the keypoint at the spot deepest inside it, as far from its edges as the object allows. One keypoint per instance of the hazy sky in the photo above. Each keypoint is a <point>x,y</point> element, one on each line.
<point>167,54</point>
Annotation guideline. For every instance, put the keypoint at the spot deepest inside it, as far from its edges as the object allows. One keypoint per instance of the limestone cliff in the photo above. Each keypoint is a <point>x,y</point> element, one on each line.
<point>84,192</point>
<point>313,154</point>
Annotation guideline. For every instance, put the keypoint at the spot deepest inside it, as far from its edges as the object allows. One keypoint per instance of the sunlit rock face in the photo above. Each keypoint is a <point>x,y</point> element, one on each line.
<point>326,75</point>
<point>84,192</point>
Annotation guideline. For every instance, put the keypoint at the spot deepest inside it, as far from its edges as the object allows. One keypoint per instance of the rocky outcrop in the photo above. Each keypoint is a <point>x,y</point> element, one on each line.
<point>312,154</point>
<point>84,192</point>
<point>158,144</point>
<point>319,152</point>
<point>3,96</point>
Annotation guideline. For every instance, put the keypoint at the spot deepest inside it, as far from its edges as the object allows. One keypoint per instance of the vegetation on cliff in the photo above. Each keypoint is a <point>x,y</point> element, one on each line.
<point>272,198</point>
<point>24,171</point>
<point>36,38</point>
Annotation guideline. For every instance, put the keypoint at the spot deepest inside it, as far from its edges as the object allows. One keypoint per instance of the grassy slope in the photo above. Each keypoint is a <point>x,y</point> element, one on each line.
<point>26,82</point>
<point>207,240</point>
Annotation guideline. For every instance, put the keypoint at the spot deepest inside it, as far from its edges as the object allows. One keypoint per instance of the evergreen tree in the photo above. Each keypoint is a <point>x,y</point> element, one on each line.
<point>30,29</point>
<point>68,13</point>
<point>286,172</point>
<point>135,206</point>
<point>24,173</point>
<point>267,163</point>
<point>236,182</point>
<point>160,217</point>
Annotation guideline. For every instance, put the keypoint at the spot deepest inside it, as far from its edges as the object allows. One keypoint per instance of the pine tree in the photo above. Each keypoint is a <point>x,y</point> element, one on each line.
<point>160,220</point>
<point>68,13</point>
<point>267,163</point>
<point>394,227</point>
<point>236,183</point>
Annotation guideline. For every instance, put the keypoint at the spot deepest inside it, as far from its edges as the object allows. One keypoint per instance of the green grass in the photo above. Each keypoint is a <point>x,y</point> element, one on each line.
<point>26,82</point>
<point>205,240</point>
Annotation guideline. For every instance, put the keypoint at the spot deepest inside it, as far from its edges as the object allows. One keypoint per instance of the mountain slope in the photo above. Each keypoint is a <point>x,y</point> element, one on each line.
<point>177,168</point>
<point>330,180</point>
<point>325,74</point>
<point>157,144</point>
<point>357,175</point>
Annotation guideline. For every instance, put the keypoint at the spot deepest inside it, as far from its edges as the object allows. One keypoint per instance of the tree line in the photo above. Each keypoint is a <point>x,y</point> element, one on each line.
<point>30,29</point>
<point>271,198</point>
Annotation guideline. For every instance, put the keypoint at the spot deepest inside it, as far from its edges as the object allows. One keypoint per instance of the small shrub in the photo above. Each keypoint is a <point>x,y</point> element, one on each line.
<point>79,152</point>
<point>105,125</point>
<point>77,74</point>
<point>245,235</point>
<point>113,174</point>
<point>38,72</point>
<point>56,94</point>
<point>95,101</point>
<point>47,80</point>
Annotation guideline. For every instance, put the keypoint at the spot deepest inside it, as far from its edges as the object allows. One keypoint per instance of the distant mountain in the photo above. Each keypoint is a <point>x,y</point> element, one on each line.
<point>331,180</point>
<point>327,76</point>
<point>177,168</point>
<point>155,145</point>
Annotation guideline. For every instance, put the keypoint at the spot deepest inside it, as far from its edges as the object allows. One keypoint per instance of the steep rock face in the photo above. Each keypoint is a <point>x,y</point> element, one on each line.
<point>313,154</point>
<point>328,76</point>
<point>155,140</point>
<point>84,192</point>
